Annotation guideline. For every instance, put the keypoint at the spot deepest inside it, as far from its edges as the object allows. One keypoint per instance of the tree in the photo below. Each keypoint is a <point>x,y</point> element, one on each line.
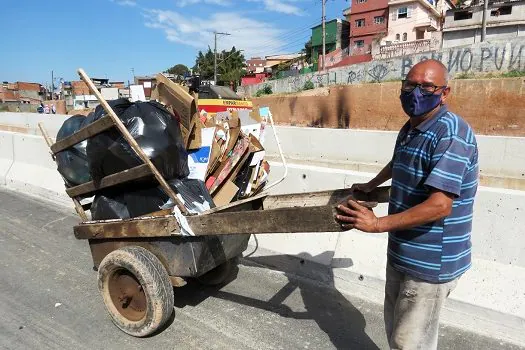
<point>178,69</point>
<point>230,65</point>
<point>308,51</point>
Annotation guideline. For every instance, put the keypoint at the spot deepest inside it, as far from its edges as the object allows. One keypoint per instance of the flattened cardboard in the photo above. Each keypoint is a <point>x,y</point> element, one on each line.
<point>225,194</point>
<point>194,135</point>
<point>228,166</point>
<point>174,95</point>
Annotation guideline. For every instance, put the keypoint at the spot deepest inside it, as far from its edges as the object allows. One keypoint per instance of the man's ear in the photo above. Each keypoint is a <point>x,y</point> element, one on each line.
<point>444,95</point>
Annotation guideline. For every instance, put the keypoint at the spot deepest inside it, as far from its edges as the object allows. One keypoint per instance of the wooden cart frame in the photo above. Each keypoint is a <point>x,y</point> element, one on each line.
<point>140,259</point>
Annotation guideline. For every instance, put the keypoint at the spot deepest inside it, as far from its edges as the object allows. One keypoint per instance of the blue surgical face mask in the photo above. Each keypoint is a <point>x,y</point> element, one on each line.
<point>415,104</point>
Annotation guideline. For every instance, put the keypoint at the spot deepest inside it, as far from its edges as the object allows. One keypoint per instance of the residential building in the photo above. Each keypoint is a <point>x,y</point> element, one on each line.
<point>505,20</point>
<point>368,21</point>
<point>22,92</point>
<point>412,20</point>
<point>414,26</point>
<point>254,78</point>
<point>275,60</point>
<point>255,65</point>
<point>148,83</point>
<point>337,36</point>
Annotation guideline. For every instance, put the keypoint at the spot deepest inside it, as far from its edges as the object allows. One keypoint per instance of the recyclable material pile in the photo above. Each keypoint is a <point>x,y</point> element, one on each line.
<point>207,159</point>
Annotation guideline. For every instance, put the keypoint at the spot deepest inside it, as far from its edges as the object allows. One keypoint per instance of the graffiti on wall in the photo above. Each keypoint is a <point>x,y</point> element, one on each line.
<point>495,57</point>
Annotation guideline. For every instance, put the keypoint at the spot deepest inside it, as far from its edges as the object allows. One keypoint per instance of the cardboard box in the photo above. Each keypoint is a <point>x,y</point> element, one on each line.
<point>225,195</point>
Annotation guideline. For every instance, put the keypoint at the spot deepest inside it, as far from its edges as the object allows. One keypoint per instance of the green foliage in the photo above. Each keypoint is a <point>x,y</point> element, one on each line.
<point>466,75</point>
<point>230,65</point>
<point>265,90</point>
<point>178,69</point>
<point>513,74</point>
<point>308,85</point>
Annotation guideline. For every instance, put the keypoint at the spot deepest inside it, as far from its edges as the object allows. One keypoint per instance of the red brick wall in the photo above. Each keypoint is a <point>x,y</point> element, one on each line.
<point>28,86</point>
<point>80,88</point>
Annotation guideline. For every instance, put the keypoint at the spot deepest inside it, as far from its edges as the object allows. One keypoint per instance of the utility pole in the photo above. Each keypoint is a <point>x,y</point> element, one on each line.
<point>215,56</point>
<point>324,32</point>
<point>133,72</point>
<point>484,21</point>
<point>52,85</point>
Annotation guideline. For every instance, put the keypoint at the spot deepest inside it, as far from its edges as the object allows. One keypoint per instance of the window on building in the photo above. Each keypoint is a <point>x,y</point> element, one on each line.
<point>504,10</point>
<point>404,36</point>
<point>359,43</point>
<point>461,15</point>
<point>398,37</point>
<point>402,12</point>
<point>361,1</point>
<point>379,20</point>
<point>360,22</point>
<point>420,35</point>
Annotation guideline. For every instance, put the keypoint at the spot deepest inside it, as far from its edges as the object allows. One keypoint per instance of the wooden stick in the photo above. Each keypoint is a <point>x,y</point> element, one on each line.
<point>86,132</point>
<point>78,207</point>
<point>134,145</point>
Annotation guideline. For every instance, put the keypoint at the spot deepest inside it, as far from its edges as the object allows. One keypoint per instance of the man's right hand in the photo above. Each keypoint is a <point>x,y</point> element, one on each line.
<point>362,187</point>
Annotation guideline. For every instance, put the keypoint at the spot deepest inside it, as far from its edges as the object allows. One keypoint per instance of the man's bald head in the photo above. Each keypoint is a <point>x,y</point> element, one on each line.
<point>429,71</point>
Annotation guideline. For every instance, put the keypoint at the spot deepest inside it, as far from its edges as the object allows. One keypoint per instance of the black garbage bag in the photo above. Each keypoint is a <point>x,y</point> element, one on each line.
<point>154,129</point>
<point>125,203</point>
<point>73,162</point>
<point>120,203</point>
<point>195,196</point>
<point>109,205</point>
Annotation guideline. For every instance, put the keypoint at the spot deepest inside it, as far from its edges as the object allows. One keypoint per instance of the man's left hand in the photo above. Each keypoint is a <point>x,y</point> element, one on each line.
<point>354,215</point>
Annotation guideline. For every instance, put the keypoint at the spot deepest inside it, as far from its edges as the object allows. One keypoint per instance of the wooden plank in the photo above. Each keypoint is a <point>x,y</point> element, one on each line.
<point>137,227</point>
<point>309,199</point>
<point>86,132</point>
<point>80,210</point>
<point>134,145</point>
<point>284,220</point>
<point>138,172</point>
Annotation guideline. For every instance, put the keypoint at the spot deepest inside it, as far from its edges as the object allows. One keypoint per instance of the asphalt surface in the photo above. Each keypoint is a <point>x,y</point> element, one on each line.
<point>49,300</point>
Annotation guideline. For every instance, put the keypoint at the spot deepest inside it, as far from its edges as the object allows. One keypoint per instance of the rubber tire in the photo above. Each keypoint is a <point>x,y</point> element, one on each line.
<point>219,274</point>
<point>154,280</point>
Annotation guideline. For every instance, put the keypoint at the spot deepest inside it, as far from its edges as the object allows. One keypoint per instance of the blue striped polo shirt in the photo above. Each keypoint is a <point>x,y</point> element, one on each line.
<point>441,153</point>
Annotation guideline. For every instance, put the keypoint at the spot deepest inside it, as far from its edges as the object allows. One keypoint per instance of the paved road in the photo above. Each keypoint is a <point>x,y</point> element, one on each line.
<point>49,300</point>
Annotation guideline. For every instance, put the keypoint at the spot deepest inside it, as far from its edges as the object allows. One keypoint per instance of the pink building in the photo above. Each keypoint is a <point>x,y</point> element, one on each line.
<point>412,20</point>
<point>413,26</point>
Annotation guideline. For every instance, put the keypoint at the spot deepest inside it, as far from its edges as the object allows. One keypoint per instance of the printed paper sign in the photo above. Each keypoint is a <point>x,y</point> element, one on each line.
<point>199,159</point>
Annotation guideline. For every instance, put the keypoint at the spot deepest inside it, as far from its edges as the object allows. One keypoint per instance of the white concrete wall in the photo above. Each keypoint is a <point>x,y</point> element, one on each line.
<point>489,297</point>
<point>366,150</point>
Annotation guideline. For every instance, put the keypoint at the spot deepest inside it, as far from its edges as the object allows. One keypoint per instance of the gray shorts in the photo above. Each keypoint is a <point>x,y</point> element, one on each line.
<point>412,308</point>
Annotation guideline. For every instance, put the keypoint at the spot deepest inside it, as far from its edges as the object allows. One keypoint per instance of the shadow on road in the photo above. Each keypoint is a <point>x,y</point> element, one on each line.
<point>333,313</point>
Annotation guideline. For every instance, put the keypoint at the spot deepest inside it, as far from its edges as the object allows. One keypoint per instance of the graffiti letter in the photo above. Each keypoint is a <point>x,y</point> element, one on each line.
<point>516,59</point>
<point>406,64</point>
<point>484,57</point>
<point>498,66</point>
<point>437,55</point>
<point>351,77</point>
<point>463,60</point>
<point>452,64</point>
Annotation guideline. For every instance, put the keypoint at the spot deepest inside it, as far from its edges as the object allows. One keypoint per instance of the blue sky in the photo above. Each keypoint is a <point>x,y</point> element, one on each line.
<point>110,37</point>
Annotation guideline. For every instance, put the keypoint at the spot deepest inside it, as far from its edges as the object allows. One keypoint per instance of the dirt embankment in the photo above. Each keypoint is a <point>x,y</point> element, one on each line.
<point>491,106</point>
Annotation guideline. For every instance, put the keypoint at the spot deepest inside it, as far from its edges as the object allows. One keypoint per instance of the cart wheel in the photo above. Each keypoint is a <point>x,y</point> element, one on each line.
<point>136,289</point>
<point>219,274</point>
